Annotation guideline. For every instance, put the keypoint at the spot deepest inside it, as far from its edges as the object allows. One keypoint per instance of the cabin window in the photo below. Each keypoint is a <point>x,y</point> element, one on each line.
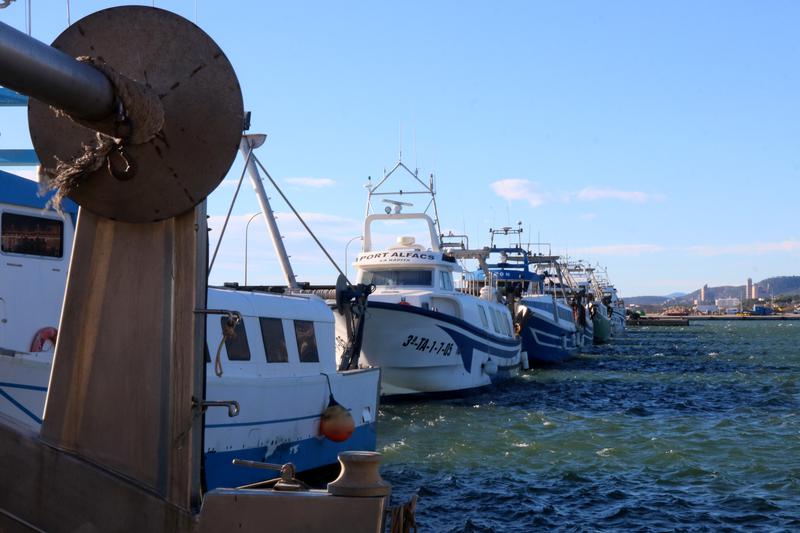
<point>274,340</point>
<point>402,277</point>
<point>306,341</point>
<point>447,281</point>
<point>494,320</point>
<point>484,321</point>
<point>236,344</point>
<point>29,235</point>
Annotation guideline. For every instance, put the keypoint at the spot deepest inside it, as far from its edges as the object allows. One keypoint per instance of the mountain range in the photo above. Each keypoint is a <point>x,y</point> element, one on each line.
<point>775,286</point>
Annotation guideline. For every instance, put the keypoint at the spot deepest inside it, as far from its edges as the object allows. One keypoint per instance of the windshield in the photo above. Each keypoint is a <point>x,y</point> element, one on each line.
<point>399,277</point>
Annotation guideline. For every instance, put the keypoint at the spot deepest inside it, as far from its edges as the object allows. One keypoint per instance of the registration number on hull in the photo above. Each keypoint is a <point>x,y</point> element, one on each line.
<point>424,344</point>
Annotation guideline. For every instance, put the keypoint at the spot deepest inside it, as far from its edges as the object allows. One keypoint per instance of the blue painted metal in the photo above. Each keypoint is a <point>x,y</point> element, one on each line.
<point>9,98</point>
<point>18,158</point>
<point>307,454</point>
<point>20,191</point>
<point>515,271</point>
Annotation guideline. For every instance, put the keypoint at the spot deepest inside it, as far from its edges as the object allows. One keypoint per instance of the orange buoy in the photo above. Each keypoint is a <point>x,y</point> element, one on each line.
<point>336,423</point>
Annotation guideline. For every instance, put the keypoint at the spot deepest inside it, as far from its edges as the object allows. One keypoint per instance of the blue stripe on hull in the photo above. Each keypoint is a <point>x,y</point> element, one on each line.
<point>483,334</point>
<point>306,454</point>
<point>540,353</point>
<point>466,345</point>
<point>18,405</point>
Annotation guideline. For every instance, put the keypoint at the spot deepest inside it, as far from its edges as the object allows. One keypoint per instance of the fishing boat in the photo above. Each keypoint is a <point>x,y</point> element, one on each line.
<point>279,366</point>
<point>424,335</point>
<point>546,318</point>
<point>614,304</point>
<point>581,291</point>
<point>601,314</point>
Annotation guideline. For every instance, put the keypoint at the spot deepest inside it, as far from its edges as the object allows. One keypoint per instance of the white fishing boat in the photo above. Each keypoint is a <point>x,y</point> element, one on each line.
<point>424,335</point>
<point>615,304</point>
<point>617,308</point>
<point>601,314</point>
<point>280,367</point>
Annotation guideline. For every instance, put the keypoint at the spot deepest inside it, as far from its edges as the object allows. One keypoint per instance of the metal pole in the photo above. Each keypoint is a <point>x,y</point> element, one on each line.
<point>40,71</point>
<point>246,229</point>
<point>249,143</point>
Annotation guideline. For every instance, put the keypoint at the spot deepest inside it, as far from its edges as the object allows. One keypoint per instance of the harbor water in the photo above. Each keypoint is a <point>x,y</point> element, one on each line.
<point>667,429</point>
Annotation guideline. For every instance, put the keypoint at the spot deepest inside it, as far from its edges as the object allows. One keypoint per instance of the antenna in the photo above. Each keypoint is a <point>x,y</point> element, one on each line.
<point>400,141</point>
<point>416,163</point>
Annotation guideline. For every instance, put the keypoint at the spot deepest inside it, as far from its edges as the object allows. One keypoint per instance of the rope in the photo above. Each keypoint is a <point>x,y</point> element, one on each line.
<point>138,120</point>
<point>228,332</point>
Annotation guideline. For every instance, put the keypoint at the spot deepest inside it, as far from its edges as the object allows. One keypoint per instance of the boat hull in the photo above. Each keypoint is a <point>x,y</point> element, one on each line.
<point>547,342</point>
<point>426,352</point>
<point>602,327</point>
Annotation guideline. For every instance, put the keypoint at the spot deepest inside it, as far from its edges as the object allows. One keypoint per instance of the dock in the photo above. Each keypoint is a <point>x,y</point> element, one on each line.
<point>658,320</point>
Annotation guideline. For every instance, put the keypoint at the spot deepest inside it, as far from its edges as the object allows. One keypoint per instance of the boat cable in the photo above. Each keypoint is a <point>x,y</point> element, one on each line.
<point>285,199</point>
<point>230,209</point>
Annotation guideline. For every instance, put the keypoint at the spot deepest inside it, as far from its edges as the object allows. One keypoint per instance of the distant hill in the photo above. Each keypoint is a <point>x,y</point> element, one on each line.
<point>776,286</point>
<point>645,300</point>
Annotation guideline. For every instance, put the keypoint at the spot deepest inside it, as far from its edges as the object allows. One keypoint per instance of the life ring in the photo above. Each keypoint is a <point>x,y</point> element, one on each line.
<point>42,336</point>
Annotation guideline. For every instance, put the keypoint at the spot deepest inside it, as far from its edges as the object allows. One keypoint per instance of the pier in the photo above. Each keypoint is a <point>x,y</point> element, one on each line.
<point>686,320</point>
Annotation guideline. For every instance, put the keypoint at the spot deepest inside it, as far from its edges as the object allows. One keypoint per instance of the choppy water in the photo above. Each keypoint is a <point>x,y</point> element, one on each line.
<point>689,429</point>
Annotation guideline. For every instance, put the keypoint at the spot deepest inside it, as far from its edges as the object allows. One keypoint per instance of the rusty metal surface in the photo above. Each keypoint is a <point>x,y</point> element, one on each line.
<point>203,113</point>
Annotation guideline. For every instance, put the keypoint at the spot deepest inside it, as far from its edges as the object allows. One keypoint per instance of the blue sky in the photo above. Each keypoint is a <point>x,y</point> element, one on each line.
<point>661,140</point>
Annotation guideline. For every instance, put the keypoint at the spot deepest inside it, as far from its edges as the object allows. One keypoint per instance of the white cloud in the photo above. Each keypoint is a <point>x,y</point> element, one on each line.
<point>618,249</point>
<point>758,248</point>
<point>314,183</point>
<point>522,189</point>
<point>519,189</point>
<point>590,194</point>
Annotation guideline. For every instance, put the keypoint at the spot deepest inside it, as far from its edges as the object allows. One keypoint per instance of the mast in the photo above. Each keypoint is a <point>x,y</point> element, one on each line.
<point>249,143</point>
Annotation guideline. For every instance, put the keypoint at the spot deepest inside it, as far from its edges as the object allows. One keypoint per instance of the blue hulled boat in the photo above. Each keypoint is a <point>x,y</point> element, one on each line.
<point>545,320</point>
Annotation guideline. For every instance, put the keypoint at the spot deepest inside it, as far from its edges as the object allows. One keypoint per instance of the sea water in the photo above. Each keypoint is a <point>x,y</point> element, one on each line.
<point>666,429</point>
